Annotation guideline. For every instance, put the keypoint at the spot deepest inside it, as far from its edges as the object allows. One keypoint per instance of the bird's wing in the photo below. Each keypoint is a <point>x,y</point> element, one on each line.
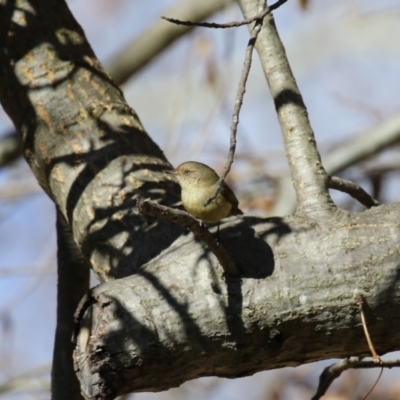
<point>227,192</point>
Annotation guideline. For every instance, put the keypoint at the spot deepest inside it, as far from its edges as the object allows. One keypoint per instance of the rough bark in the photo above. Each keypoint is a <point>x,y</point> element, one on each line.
<point>309,177</point>
<point>137,54</point>
<point>85,145</point>
<point>179,318</point>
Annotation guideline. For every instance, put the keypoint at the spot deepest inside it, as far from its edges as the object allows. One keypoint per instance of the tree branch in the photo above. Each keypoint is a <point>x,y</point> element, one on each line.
<point>349,153</point>
<point>262,12</point>
<point>239,101</point>
<point>184,219</point>
<point>360,301</point>
<point>354,190</point>
<point>174,315</point>
<point>151,42</point>
<point>91,156</point>
<point>332,372</point>
<point>178,318</point>
<point>136,55</point>
<point>234,24</point>
<point>309,176</point>
<point>363,145</point>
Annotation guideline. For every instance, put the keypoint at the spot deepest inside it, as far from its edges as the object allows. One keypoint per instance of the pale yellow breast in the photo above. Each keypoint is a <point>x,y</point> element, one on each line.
<point>193,201</point>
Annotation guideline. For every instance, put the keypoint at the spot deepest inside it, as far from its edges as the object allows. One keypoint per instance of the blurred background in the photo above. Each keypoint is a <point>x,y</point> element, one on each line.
<point>346,58</point>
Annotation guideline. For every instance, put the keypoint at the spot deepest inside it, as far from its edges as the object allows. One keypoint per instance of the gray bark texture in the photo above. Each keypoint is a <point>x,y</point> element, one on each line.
<point>179,318</point>
<point>165,312</point>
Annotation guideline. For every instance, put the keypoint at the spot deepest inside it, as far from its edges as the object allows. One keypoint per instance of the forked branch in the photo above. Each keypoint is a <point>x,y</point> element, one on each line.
<point>309,176</point>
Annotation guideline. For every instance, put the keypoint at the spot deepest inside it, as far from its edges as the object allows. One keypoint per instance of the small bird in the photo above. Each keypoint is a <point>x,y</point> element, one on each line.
<point>198,183</point>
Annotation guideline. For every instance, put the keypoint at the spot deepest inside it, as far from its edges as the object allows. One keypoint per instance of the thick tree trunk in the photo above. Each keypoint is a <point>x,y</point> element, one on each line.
<point>179,318</point>
<point>85,145</point>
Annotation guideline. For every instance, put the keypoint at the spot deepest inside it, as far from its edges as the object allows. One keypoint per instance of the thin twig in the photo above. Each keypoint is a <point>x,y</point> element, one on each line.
<point>374,385</point>
<point>233,24</point>
<point>158,36</point>
<point>372,364</point>
<point>329,374</point>
<point>238,103</point>
<point>354,190</point>
<point>375,355</point>
<point>359,299</point>
<point>182,218</point>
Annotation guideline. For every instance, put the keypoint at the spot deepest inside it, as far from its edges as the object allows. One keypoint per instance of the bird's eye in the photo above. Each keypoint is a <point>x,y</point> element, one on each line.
<point>187,172</point>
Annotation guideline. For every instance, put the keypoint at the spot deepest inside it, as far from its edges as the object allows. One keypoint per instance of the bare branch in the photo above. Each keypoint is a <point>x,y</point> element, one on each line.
<point>207,330</point>
<point>73,168</point>
<point>234,24</point>
<point>329,374</point>
<point>359,299</point>
<point>182,218</point>
<point>372,364</point>
<point>309,176</point>
<point>136,55</point>
<point>151,42</point>
<point>332,372</point>
<point>375,383</point>
<point>238,102</point>
<point>363,146</point>
<point>354,190</point>
<point>347,154</point>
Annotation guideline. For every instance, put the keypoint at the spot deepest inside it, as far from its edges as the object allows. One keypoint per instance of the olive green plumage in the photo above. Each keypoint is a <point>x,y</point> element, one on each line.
<point>198,182</point>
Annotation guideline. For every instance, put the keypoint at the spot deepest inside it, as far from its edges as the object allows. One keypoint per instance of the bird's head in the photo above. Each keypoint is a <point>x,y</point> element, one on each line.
<point>195,173</point>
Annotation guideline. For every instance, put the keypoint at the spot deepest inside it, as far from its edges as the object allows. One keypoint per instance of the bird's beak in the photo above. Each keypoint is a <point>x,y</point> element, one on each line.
<point>171,171</point>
